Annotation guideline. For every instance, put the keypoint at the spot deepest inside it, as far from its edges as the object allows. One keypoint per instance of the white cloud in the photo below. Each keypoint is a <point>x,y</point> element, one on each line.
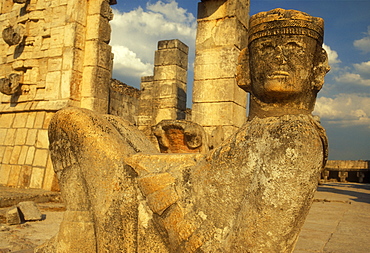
<point>363,69</point>
<point>332,55</point>
<point>364,43</point>
<point>344,109</point>
<point>135,35</point>
<point>180,15</point>
<point>359,76</point>
<point>126,59</point>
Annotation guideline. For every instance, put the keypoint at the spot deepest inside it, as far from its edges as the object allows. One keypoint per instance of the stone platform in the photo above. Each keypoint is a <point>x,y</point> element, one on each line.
<point>339,220</point>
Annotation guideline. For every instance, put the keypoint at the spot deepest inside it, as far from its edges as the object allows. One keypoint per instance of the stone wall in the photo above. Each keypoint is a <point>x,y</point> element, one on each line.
<point>123,101</point>
<point>60,52</point>
<point>222,33</point>
<point>24,152</point>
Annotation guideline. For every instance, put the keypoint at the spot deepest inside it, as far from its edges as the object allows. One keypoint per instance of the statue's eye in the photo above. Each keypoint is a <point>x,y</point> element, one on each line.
<point>267,48</point>
<point>293,46</point>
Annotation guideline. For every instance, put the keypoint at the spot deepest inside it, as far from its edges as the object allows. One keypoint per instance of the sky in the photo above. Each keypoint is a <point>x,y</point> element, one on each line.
<point>344,102</point>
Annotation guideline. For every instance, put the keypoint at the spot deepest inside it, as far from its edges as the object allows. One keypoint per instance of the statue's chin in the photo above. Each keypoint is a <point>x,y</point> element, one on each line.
<point>280,88</point>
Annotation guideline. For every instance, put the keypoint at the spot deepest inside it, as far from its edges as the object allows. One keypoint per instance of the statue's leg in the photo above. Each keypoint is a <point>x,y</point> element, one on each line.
<point>99,190</point>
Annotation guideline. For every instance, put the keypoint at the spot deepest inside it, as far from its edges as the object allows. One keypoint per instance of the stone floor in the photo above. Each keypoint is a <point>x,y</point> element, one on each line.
<point>338,222</point>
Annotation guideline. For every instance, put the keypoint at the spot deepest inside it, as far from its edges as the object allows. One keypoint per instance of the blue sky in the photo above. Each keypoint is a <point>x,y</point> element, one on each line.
<point>344,102</point>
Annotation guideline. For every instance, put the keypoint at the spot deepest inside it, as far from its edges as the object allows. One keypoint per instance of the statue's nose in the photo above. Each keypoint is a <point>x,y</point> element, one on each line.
<point>280,56</point>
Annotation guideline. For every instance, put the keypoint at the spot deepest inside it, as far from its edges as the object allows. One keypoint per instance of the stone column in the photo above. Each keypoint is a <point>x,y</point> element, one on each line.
<point>163,96</point>
<point>146,106</point>
<point>222,33</point>
<point>170,74</point>
<point>98,58</point>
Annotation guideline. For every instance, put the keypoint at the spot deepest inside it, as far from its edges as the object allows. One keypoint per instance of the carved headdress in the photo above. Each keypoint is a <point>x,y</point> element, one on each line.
<point>280,21</point>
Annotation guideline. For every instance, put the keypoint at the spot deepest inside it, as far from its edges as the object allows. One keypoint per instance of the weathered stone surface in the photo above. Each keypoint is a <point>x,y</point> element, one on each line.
<point>100,193</point>
<point>30,211</point>
<point>12,216</point>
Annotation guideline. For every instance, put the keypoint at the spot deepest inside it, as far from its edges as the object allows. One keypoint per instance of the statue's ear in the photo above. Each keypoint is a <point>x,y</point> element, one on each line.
<point>243,78</point>
<point>321,68</point>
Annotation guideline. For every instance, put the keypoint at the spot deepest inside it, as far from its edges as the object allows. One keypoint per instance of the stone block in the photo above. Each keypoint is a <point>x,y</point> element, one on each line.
<point>31,137</point>
<point>49,176</point>
<point>2,135</point>
<point>216,33</point>
<point>77,12</point>
<point>98,54</point>
<point>174,56</point>
<point>56,37</point>
<point>21,136</point>
<point>23,155</point>
<point>52,85</point>
<point>96,82</point>
<point>30,155</point>
<point>66,81</point>
<point>166,113</point>
<point>214,114</point>
<point>98,28</point>
<point>95,7</point>
<point>6,120</point>
<point>59,16</point>
<point>172,44</point>
<point>4,173</point>
<point>54,52</point>
<point>2,152</point>
<point>167,88</point>
<point>45,44</point>
<point>218,9</point>
<point>216,63</point>
<point>173,102</point>
<point>7,154</point>
<point>42,139</point>
<point>147,79</point>
<point>95,104</point>
<point>12,216</point>
<point>55,64</point>
<point>48,117</point>
<point>37,177</point>
<point>171,72</point>
<point>14,176</point>
<point>25,176</point>
<point>39,120</point>
<point>30,211</point>
<point>41,157</point>
<point>70,34</point>
<point>15,154</point>
<point>218,90</point>
<point>10,136</point>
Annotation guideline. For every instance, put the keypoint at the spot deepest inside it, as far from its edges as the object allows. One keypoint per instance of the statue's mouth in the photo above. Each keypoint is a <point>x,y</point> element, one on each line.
<point>278,74</point>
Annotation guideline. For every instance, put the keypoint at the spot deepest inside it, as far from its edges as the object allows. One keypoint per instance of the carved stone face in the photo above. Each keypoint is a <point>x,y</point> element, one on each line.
<point>282,66</point>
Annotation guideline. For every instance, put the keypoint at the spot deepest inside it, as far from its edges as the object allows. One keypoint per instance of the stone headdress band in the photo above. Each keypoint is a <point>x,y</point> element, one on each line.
<point>285,22</point>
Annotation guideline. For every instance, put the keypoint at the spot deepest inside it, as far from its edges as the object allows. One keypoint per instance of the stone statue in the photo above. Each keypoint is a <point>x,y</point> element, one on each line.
<point>249,194</point>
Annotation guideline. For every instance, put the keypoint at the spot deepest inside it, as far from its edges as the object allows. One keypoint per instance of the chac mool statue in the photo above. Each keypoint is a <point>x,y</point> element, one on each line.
<point>250,194</point>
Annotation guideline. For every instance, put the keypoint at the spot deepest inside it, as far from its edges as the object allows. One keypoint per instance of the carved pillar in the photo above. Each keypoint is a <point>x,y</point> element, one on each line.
<point>170,74</point>
<point>222,33</point>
